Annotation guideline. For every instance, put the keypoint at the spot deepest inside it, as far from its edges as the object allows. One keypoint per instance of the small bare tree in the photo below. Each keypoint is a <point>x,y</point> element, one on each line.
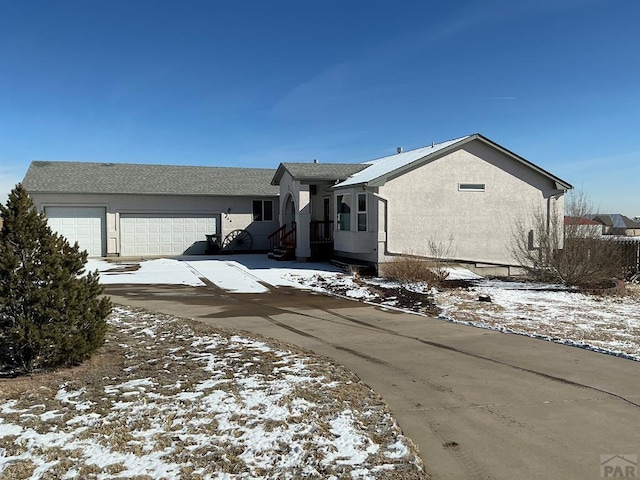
<point>566,248</point>
<point>440,252</point>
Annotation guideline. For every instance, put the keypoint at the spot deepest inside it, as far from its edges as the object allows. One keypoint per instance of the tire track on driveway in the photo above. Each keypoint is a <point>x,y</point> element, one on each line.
<point>489,359</point>
<point>438,345</point>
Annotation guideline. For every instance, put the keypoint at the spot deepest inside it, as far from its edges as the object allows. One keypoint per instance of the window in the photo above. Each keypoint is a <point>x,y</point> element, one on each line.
<point>344,212</point>
<point>362,212</point>
<point>471,187</point>
<point>263,210</point>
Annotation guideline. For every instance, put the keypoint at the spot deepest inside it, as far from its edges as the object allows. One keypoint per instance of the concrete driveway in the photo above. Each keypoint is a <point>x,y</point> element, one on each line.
<point>478,403</point>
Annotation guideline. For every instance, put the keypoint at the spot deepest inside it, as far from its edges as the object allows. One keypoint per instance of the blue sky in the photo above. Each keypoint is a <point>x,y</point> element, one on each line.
<point>254,83</point>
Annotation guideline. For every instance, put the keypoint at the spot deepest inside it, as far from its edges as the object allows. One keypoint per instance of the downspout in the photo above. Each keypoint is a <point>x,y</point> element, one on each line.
<point>555,197</point>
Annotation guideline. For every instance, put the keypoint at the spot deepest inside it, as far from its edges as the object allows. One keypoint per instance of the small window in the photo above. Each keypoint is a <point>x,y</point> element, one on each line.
<point>344,212</point>
<point>471,187</point>
<point>263,210</point>
<point>362,212</point>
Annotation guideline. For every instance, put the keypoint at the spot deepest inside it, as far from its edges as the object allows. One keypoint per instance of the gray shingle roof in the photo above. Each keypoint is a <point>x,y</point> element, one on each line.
<point>615,220</point>
<point>308,172</point>
<point>124,178</point>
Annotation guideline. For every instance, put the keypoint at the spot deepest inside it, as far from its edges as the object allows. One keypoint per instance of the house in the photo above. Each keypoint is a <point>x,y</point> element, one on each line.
<point>616,224</point>
<point>582,227</point>
<point>115,209</point>
<point>459,199</point>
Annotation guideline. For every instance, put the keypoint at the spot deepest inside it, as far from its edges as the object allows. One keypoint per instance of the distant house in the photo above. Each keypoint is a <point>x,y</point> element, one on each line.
<point>616,224</point>
<point>460,198</point>
<point>583,227</point>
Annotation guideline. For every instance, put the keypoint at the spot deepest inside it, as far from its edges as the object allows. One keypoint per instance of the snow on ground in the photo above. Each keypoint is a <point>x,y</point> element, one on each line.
<point>606,324</point>
<point>237,274</point>
<point>162,270</point>
<point>188,403</point>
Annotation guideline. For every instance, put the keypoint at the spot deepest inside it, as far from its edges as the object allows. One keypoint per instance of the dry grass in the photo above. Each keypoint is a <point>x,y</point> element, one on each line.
<point>170,398</point>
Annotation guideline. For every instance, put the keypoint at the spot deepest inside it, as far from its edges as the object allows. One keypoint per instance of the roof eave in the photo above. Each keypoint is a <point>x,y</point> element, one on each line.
<point>558,182</point>
<point>278,175</point>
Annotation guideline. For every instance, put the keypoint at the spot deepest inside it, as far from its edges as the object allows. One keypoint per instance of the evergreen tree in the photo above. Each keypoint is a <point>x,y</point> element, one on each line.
<point>51,311</point>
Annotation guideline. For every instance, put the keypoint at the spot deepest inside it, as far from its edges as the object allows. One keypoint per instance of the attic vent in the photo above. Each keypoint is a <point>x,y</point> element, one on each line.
<point>399,149</point>
<point>107,164</point>
<point>315,160</point>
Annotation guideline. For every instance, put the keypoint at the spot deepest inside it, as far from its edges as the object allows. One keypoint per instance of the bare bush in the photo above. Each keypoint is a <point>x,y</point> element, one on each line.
<point>439,252</point>
<point>571,252</point>
<point>407,269</point>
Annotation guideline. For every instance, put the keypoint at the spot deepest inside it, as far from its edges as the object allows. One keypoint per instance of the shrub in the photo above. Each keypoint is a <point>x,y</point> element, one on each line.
<point>571,254</point>
<point>51,311</point>
<point>407,269</point>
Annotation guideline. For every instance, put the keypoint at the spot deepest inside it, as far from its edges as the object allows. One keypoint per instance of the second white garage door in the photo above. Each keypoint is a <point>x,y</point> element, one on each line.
<point>164,234</point>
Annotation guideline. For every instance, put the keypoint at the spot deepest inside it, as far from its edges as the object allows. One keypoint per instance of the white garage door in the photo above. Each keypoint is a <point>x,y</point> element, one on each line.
<point>85,225</point>
<point>164,234</point>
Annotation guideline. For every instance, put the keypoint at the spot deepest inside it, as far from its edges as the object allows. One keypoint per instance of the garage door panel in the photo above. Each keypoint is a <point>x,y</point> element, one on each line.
<point>163,234</point>
<point>85,225</point>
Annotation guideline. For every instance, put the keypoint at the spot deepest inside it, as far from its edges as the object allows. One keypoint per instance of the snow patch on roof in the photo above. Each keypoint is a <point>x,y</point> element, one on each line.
<point>384,166</point>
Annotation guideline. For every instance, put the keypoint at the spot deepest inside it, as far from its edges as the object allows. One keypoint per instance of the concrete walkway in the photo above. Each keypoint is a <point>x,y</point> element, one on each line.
<point>479,404</point>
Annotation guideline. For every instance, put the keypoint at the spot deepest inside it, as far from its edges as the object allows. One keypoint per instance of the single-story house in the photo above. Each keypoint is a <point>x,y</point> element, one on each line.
<point>459,199</point>
<point>116,209</point>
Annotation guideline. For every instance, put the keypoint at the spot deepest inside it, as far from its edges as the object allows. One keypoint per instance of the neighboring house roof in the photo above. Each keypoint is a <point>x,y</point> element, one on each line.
<point>320,172</point>
<point>615,220</point>
<point>126,178</point>
<point>580,221</point>
<point>385,168</point>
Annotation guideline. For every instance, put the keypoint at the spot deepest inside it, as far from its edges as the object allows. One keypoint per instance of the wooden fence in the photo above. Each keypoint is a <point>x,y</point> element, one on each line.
<point>631,255</point>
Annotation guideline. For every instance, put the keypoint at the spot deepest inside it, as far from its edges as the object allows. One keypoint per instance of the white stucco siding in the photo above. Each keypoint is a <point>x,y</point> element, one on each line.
<point>231,213</point>
<point>364,243</point>
<point>300,194</point>
<point>427,204</point>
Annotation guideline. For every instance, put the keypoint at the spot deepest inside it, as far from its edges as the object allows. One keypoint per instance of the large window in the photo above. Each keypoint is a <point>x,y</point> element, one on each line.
<point>362,212</point>
<point>263,210</point>
<point>344,212</point>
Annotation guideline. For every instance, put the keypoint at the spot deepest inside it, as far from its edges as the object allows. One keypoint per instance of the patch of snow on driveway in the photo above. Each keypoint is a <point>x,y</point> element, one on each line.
<point>166,271</point>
